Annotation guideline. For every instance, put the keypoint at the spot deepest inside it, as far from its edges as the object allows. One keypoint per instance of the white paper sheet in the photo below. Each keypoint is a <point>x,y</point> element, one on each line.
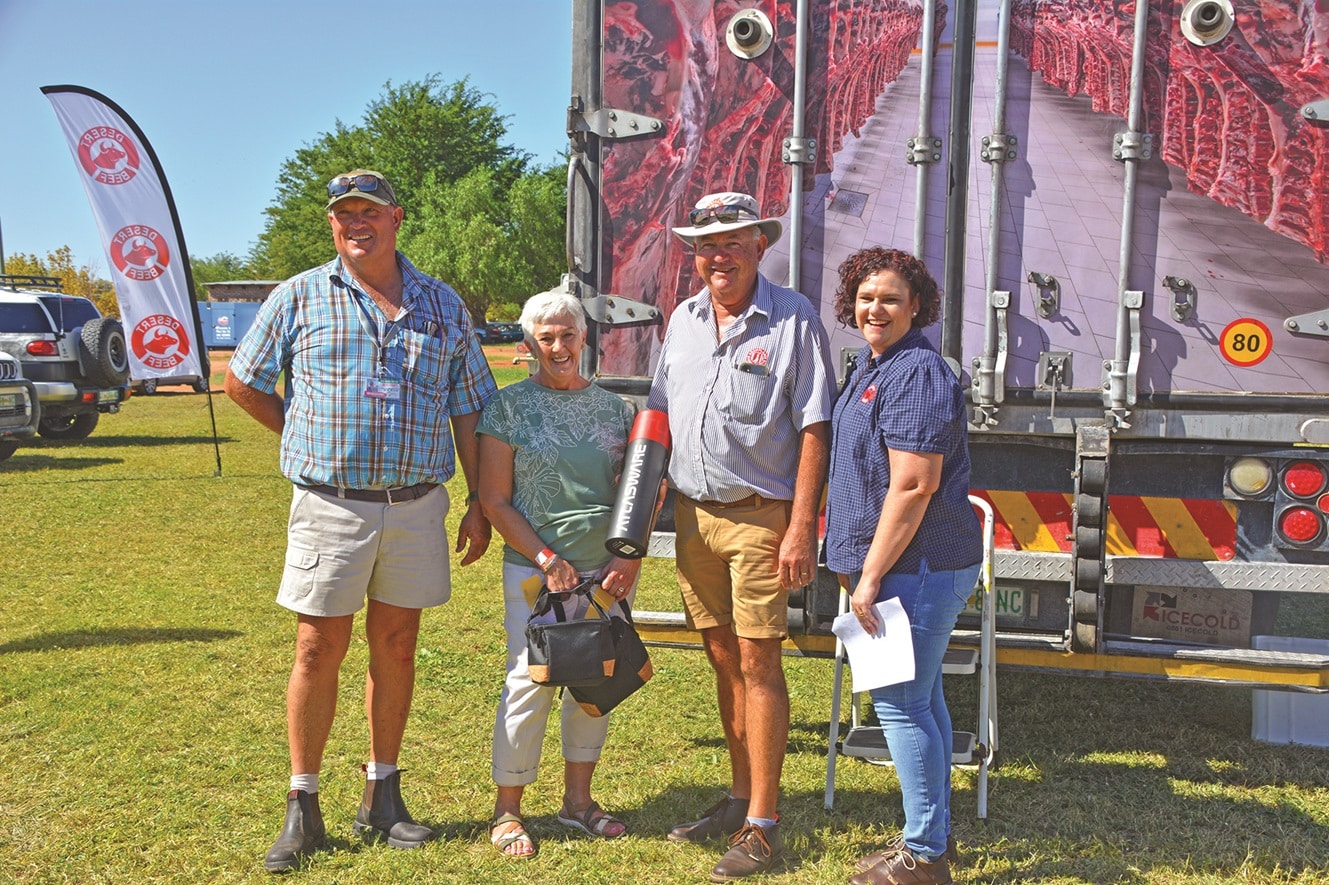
<point>883,658</point>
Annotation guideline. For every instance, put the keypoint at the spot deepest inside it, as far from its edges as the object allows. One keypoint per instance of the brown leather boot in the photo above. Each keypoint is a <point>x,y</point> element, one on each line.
<point>383,815</point>
<point>869,861</point>
<point>302,833</point>
<point>752,849</point>
<point>903,868</point>
<point>720,821</point>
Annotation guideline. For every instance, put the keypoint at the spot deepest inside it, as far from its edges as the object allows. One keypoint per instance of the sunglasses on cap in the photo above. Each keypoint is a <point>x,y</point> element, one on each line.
<point>725,214</point>
<point>365,184</point>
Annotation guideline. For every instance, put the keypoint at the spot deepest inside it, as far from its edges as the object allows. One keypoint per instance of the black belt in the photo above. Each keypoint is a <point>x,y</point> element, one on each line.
<point>377,496</point>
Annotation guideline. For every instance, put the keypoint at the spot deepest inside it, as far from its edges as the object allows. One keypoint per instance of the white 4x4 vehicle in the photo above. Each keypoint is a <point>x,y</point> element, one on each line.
<point>19,409</point>
<point>77,360</point>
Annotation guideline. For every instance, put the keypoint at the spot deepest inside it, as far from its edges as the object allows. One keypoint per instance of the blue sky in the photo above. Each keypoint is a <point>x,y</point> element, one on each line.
<point>226,91</point>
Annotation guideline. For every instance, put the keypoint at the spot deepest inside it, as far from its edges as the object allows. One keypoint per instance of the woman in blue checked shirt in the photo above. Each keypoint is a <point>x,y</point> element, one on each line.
<point>899,524</point>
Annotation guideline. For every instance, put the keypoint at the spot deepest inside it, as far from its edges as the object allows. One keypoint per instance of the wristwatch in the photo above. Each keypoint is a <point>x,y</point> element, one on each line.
<point>545,558</point>
<point>473,497</point>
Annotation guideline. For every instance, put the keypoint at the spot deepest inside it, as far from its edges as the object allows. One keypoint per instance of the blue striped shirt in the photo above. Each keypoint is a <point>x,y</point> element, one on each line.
<point>736,407</point>
<point>332,340</point>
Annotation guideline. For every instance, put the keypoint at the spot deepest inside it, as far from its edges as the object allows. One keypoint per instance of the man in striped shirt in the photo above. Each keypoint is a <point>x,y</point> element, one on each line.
<point>746,376</point>
<point>385,384</point>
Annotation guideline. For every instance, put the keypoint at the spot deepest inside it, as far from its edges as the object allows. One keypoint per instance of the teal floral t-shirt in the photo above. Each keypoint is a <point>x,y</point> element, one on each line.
<point>567,454</point>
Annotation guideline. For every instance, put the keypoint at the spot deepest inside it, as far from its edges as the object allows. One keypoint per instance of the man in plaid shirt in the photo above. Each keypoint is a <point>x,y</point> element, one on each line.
<point>385,382</point>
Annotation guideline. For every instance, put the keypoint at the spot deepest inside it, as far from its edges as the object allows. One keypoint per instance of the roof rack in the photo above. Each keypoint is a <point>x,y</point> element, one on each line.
<point>14,280</point>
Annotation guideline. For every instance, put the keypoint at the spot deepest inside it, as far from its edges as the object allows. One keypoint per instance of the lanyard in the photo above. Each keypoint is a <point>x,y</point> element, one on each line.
<point>381,340</point>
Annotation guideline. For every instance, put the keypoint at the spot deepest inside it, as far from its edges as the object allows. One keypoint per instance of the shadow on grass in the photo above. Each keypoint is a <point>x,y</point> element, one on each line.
<point>28,459</point>
<point>109,441</point>
<point>1222,838</point>
<point>65,639</point>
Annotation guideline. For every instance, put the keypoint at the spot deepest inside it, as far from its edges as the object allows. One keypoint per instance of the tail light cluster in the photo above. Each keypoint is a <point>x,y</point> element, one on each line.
<point>1299,490</point>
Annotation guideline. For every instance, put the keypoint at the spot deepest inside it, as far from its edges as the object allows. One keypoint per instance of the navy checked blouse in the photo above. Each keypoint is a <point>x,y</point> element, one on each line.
<point>909,400</point>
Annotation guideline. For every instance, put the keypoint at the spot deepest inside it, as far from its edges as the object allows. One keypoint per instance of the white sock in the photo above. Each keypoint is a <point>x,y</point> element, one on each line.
<point>306,782</point>
<point>764,822</point>
<point>379,771</point>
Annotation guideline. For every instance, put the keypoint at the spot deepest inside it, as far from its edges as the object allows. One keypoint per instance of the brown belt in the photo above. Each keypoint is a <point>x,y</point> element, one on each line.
<point>377,496</point>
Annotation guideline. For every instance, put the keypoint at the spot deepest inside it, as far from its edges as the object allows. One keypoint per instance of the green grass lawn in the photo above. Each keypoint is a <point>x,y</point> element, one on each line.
<point>143,665</point>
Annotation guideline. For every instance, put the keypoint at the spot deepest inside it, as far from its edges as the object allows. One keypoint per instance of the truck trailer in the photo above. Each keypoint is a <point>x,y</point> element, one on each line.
<point>1127,206</point>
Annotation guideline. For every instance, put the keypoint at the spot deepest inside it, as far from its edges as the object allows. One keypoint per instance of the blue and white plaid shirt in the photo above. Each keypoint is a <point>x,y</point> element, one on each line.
<point>736,407</point>
<point>333,340</point>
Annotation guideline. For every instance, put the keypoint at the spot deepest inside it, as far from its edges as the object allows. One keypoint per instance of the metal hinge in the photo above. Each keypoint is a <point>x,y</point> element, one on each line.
<point>1316,324</point>
<point>611,122</point>
<point>616,310</point>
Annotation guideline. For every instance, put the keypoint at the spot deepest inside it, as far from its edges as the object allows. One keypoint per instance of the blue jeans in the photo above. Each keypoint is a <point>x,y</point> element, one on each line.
<point>913,714</point>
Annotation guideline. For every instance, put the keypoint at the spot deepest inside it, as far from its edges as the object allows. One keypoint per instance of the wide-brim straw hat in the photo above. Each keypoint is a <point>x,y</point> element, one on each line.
<point>726,211</point>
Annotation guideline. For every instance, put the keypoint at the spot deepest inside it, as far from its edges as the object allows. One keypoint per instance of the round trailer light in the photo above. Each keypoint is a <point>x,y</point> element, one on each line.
<point>1323,503</point>
<point>1300,525</point>
<point>1249,476</point>
<point>1304,479</point>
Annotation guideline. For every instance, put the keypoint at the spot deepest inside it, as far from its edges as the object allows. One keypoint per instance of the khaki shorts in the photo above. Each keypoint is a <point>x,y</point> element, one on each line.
<point>728,558</point>
<point>340,551</point>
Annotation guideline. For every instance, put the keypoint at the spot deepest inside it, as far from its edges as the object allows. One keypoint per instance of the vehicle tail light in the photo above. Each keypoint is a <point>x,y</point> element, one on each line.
<point>1250,476</point>
<point>43,348</point>
<point>89,396</point>
<point>1304,479</point>
<point>1300,525</point>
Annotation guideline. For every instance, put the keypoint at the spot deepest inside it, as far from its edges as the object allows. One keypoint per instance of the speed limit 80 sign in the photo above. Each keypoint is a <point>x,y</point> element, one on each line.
<point>1245,342</point>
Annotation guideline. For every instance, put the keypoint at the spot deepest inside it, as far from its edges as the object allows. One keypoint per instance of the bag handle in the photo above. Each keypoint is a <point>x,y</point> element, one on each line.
<point>544,603</point>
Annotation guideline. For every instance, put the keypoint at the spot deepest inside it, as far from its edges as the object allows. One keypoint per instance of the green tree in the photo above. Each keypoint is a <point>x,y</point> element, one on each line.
<point>537,214</point>
<point>296,237</point>
<point>218,268</point>
<point>459,235</point>
<point>75,279</point>
<point>422,135</point>
<point>496,246</point>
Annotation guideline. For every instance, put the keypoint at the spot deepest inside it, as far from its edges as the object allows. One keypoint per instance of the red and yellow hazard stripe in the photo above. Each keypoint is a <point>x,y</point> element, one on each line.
<point>1173,528</point>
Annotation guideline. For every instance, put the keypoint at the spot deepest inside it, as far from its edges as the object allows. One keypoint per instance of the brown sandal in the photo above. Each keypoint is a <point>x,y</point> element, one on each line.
<point>518,837</point>
<point>593,821</point>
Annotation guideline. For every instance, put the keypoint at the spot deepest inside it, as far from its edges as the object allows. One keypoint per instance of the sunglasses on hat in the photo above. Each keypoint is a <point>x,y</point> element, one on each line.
<point>365,184</point>
<point>724,214</point>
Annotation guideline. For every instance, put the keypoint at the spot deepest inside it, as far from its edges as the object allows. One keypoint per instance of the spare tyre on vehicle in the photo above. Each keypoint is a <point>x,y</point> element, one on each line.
<point>104,351</point>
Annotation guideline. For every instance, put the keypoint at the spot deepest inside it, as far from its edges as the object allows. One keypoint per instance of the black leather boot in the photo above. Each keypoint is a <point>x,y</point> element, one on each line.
<point>301,834</point>
<point>383,815</point>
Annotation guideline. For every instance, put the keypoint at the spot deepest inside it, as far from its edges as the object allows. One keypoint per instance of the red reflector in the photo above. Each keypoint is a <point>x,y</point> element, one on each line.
<point>1305,479</point>
<point>1323,503</point>
<point>89,396</point>
<point>1300,525</point>
<point>43,348</point>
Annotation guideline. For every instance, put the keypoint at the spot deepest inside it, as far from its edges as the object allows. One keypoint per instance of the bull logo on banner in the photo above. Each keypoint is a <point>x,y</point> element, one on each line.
<point>139,252</point>
<point>160,341</point>
<point>108,155</point>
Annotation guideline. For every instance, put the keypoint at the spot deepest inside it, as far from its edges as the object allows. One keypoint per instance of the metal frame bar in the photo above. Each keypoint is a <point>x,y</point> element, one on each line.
<point>987,675</point>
